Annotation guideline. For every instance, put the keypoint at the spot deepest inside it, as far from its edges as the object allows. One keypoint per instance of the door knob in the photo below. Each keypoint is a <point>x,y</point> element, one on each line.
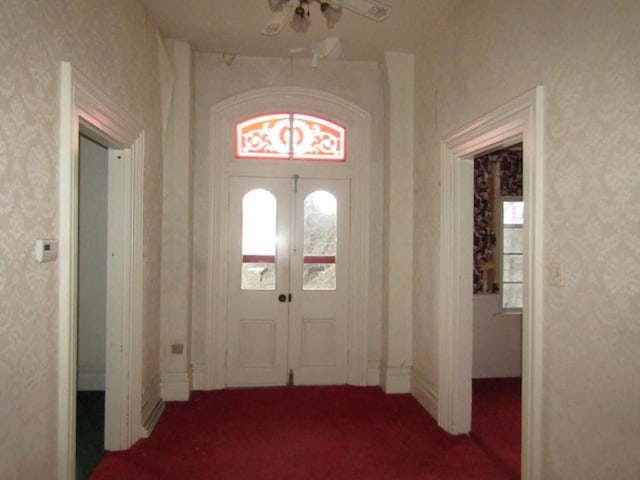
<point>282,298</point>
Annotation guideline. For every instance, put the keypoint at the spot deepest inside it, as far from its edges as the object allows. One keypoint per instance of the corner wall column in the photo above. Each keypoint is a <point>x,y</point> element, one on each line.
<point>177,220</point>
<point>395,367</point>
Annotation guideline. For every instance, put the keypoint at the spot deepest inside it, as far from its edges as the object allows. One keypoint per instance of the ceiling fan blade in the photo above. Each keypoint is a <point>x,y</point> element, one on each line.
<point>372,9</point>
<point>279,20</point>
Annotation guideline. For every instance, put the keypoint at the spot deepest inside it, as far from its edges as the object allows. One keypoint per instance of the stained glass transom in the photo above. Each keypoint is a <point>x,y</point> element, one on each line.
<point>290,136</point>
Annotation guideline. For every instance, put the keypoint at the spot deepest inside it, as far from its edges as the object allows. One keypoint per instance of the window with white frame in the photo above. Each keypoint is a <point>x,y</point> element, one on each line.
<point>512,273</point>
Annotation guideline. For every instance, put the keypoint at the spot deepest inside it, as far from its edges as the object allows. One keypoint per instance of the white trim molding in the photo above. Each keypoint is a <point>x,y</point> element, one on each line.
<point>151,420</point>
<point>82,104</point>
<point>91,380</point>
<point>373,373</point>
<point>425,392</point>
<point>518,120</point>
<point>175,386</point>
<point>395,379</point>
<point>198,377</point>
<point>223,117</point>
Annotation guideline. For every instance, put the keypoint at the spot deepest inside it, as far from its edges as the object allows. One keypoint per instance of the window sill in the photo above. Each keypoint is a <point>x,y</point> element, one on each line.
<point>508,313</point>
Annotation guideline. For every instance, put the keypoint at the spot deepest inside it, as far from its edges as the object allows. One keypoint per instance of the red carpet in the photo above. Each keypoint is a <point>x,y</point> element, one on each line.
<point>299,433</point>
<point>496,420</point>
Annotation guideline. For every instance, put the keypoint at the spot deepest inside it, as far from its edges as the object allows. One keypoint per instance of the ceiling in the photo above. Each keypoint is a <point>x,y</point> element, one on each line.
<point>233,26</point>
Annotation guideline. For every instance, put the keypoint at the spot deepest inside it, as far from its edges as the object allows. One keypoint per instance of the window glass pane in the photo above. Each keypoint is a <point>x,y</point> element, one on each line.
<point>512,268</point>
<point>512,240</point>
<point>319,276</point>
<point>512,295</point>
<point>264,137</point>
<point>258,240</point>
<point>513,212</point>
<point>317,139</point>
<point>512,253</point>
<point>258,276</point>
<point>290,136</point>
<point>320,241</point>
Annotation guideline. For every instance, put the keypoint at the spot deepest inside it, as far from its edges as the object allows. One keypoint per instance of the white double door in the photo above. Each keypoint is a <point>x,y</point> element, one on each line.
<point>288,281</point>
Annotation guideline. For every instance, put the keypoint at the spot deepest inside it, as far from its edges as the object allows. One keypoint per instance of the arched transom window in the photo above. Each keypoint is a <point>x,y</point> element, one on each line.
<point>290,136</point>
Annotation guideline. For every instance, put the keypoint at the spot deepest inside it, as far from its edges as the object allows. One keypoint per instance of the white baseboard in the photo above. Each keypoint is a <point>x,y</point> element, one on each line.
<point>198,377</point>
<point>91,380</point>
<point>373,374</point>
<point>424,392</point>
<point>395,379</point>
<point>151,419</point>
<point>175,386</point>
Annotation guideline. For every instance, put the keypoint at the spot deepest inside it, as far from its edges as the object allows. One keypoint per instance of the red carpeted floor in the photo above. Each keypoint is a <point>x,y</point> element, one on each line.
<point>300,433</point>
<point>496,420</point>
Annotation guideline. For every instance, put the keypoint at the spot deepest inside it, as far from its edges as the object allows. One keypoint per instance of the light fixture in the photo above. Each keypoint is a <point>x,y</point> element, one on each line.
<point>301,16</point>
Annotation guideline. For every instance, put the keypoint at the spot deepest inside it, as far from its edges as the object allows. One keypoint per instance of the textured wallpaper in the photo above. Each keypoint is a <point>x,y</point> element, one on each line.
<point>114,44</point>
<point>587,56</point>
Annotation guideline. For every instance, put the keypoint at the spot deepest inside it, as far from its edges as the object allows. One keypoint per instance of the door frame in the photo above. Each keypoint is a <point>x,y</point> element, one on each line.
<point>84,106</point>
<point>223,118</point>
<point>519,120</point>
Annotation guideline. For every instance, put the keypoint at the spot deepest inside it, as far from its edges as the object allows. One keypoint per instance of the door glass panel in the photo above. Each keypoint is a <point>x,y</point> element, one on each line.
<point>320,241</point>
<point>259,208</point>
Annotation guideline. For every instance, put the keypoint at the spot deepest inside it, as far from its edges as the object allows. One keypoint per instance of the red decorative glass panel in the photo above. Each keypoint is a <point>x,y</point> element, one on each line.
<point>290,136</point>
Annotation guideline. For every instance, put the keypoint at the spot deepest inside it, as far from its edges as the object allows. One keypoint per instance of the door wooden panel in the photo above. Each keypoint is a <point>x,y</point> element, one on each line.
<point>288,304</point>
<point>257,323</point>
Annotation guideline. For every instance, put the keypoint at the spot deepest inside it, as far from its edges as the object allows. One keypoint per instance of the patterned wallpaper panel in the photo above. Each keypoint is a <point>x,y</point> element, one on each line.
<point>497,174</point>
<point>114,45</point>
<point>585,53</point>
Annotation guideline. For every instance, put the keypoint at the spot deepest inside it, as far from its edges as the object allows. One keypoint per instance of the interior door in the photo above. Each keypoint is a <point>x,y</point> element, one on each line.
<point>288,281</point>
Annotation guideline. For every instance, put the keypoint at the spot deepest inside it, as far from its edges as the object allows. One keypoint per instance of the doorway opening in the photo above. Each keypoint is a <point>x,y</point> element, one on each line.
<point>93,198</point>
<point>351,166</point>
<point>288,281</point>
<point>86,110</point>
<point>520,120</point>
<point>498,286</point>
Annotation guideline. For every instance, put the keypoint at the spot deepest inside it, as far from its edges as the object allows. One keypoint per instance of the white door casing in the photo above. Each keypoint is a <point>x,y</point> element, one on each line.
<point>290,313</point>
<point>118,297</point>
<point>223,118</point>
<point>82,104</point>
<point>520,120</point>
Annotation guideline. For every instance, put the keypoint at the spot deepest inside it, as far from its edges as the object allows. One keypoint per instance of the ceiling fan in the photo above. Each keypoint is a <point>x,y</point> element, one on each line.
<point>296,13</point>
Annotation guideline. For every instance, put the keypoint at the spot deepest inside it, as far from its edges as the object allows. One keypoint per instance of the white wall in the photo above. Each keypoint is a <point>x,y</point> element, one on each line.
<point>585,53</point>
<point>114,45</point>
<point>395,365</point>
<point>358,82</point>
<point>177,227</point>
<point>497,339</point>
<point>92,264</point>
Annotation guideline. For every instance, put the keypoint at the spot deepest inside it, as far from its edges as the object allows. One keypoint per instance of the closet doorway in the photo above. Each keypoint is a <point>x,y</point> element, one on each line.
<point>93,203</point>
<point>86,110</point>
